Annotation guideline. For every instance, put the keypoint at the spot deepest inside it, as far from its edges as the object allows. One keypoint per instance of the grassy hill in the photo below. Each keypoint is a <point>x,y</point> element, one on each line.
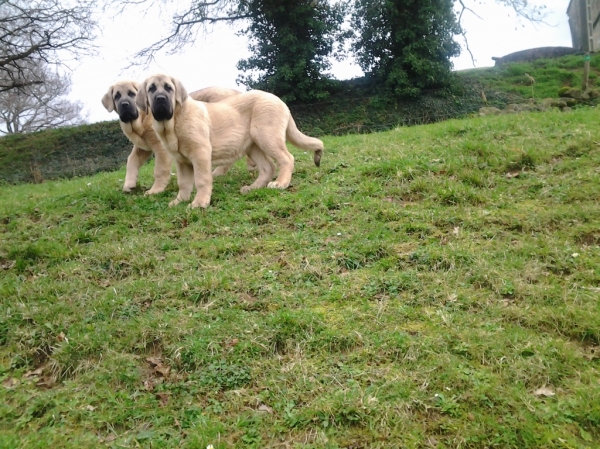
<point>432,286</point>
<point>89,149</point>
<point>550,75</point>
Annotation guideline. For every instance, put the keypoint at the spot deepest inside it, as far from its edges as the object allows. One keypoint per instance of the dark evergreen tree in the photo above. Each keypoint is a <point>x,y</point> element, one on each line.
<point>292,42</point>
<point>405,46</point>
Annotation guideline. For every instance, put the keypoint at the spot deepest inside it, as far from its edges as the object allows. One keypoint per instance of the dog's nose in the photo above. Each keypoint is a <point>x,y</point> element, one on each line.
<point>125,104</point>
<point>161,98</point>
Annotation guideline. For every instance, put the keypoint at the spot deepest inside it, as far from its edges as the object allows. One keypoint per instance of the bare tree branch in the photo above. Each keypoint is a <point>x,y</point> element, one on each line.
<point>533,14</point>
<point>462,30</point>
<point>39,105</point>
<point>41,31</point>
<point>195,16</point>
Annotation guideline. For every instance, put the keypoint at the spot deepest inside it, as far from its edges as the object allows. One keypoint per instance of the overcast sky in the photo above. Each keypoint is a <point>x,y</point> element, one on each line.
<point>212,59</point>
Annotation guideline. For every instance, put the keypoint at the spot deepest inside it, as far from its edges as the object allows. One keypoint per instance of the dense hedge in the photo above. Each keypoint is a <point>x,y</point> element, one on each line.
<point>63,153</point>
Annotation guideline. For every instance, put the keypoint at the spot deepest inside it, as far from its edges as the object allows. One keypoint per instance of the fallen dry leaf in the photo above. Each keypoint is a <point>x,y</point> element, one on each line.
<point>7,265</point>
<point>513,174</point>
<point>592,352</point>
<point>109,438</point>
<point>10,383</point>
<point>265,408</point>
<point>90,408</point>
<point>544,391</point>
<point>46,382</point>
<point>163,398</point>
<point>154,361</point>
<point>149,384</point>
<point>233,342</point>
<point>62,337</point>
<point>162,370</point>
<point>34,373</point>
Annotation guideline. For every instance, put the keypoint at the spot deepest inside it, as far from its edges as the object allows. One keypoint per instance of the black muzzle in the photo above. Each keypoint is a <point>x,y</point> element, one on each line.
<point>128,111</point>
<point>161,108</point>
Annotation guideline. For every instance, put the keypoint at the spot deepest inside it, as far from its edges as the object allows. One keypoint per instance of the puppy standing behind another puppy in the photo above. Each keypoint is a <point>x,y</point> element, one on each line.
<point>255,123</point>
<point>137,126</point>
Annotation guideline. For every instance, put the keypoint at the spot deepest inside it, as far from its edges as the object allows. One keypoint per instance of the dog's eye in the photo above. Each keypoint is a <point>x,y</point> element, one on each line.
<point>168,88</point>
<point>118,95</point>
<point>131,94</point>
<point>152,88</point>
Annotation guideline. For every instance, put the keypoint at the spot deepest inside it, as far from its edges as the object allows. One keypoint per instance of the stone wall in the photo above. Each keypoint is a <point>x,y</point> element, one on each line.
<point>535,53</point>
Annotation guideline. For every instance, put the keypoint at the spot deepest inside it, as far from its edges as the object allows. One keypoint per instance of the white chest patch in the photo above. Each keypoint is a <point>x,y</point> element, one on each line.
<point>134,134</point>
<point>166,133</point>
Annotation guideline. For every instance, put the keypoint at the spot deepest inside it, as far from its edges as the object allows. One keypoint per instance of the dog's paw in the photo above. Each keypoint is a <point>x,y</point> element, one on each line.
<point>175,202</point>
<point>153,191</point>
<point>200,201</point>
<point>277,185</point>
<point>202,204</point>
<point>128,189</point>
<point>246,189</point>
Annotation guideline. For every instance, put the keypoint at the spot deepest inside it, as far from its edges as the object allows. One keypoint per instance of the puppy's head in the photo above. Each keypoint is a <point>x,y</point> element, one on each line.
<point>161,94</point>
<point>121,98</point>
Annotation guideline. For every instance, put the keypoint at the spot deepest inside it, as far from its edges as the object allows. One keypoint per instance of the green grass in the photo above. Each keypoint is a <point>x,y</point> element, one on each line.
<point>550,75</point>
<point>406,294</point>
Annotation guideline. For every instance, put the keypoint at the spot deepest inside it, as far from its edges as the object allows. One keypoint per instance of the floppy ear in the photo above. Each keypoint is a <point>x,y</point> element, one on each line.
<point>181,94</point>
<point>107,100</point>
<point>141,99</point>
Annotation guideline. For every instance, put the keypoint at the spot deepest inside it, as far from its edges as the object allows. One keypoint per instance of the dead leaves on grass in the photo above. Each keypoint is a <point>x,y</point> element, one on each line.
<point>159,372</point>
<point>41,377</point>
<point>11,383</point>
<point>158,368</point>
<point>544,391</point>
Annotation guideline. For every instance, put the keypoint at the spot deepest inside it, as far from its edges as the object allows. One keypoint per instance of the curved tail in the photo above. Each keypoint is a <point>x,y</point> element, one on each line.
<point>303,141</point>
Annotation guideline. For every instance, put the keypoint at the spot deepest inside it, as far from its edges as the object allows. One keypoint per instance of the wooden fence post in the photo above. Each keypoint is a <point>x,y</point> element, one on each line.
<point>586,71</point>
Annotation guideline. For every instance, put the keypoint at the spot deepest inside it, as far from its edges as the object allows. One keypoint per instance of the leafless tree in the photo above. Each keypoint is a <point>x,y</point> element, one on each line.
<point>33,32</point>
<point>186,21</point>
<point>523,9</point>
<point>40,105</point>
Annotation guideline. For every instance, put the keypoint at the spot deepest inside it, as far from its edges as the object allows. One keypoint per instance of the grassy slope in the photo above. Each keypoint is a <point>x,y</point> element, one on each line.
<point>549,74</point>
<point>408,293</point>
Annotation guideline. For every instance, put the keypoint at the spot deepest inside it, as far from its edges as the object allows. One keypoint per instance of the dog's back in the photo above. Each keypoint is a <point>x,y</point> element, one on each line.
<point>213,94</point>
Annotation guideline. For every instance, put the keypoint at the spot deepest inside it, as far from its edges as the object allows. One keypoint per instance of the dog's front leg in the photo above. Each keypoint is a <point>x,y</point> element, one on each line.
<point>162,171</point>
<point>135,160</point>
<point>202,178</point>
<point>185,181</point>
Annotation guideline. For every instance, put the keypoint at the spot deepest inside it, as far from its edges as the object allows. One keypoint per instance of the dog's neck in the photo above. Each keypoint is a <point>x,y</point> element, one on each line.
<point>135,130</point>
<point>165,130</point>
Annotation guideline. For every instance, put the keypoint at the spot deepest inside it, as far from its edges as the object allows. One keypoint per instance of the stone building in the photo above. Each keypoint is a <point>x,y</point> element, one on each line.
<point>584,21</point>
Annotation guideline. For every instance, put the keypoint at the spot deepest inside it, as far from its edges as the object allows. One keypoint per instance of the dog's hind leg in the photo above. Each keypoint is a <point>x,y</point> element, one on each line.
<point>223,169</point>
<point>135,160</point>
<point>275,148</point>
<point>162,172</point>
<point>265,167</point>
<point>285,161</point>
